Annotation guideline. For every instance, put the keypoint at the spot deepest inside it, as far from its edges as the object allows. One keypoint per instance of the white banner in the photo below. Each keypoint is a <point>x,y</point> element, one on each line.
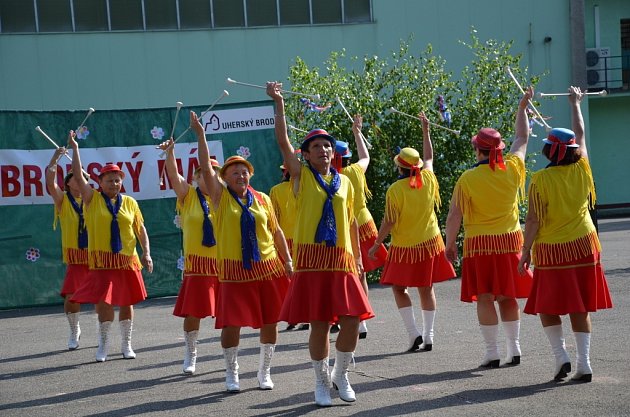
<point>238,120</point>
<point>23,181</point>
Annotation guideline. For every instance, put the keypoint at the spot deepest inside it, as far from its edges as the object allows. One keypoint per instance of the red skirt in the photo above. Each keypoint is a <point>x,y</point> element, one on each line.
<point>76,275</point>
<point>370,264</point>
<point>119,287</point>
<point>494,274</point>
<point>572,287</point>
<point>250,304</point>
<point>325,296</point>
<point>197,296</point>
<point>418,274</point>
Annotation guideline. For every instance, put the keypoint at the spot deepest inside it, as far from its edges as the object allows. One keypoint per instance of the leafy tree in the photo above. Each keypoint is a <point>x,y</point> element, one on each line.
<point>483,95</point>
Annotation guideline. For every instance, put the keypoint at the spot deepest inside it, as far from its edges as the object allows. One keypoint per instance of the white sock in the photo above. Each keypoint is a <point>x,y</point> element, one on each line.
<point>409,320</point>
<point>428,319</point>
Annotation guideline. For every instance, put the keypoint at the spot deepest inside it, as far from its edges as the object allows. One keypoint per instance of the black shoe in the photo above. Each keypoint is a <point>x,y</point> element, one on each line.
<point>290,327</point>
<point>491,364</point>
<point>582,377</point>
<point>304,326</point>
<point>563,372</point>
<point>426,347</point>
<point>416,344</point>
<point>516,360</point>
<point>362,335</point>
<point>334,328</point>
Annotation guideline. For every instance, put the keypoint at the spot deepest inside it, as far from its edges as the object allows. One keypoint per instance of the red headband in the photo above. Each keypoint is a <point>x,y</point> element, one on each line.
<point>415,179</point>
<point>557,143</point>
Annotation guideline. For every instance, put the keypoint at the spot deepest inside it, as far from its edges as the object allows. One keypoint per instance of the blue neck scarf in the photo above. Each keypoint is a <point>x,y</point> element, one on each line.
<point>327,227</point>
<point>82,237</point>
<point>208,233</point>
<point>116,243</point>
<point>249,241</point>
<point>482,162</point>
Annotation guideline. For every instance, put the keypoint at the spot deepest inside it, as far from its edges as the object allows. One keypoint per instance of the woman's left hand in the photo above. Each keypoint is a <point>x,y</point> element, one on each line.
<point>147,262</point>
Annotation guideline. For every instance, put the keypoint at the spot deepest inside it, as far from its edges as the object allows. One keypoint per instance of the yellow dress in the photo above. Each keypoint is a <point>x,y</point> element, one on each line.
<point>284,204</point>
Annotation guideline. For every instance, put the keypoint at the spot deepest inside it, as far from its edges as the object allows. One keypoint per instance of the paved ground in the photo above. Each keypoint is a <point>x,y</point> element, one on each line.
<point>38,377</point>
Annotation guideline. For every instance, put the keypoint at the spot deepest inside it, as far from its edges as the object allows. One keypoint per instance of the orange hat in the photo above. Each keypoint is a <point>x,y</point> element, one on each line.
<point>110,168</point>
<point>236,160</point>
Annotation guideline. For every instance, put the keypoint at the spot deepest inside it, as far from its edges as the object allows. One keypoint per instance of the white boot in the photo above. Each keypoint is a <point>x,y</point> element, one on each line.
<point>190,356</point>
<point>103,340</point>
<point>584,373</point>
<point>362,329</point>
<point>75,330</point>
<point>409,320</point>
<point>428,320</point>
<point>264,366</point>
<point>231,369</point>
<point>339,376</point>
<point>556,340</point>
<point>322,383</point>
<point>512,332</point>
<point>490,334</point>
<point>126,327</point>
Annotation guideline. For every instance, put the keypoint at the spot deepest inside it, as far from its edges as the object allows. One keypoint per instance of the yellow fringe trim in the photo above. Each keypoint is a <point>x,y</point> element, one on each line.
<point>493,244</point>
<point>367,230</point>
<point>109,260</point>
<point>200,265</point>
<point>417,253</point>
<point>556,253</point>
<point>391,214</point>
<point>231,270</point>
<point>319,257</point>
<point>75,256</point>
<point>462,200</point>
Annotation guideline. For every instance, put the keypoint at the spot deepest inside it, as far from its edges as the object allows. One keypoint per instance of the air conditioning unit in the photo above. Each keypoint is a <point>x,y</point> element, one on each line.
<point>597,74</point>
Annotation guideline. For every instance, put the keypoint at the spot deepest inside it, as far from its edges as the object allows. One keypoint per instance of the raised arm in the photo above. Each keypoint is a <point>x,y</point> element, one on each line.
<point>362,150</point>
<point>51,178</point>
<point>521,126</point>
<point>577,121</point>
<point>180,186</point>
<point>84,187</point>
<point>291,161</point>
<point>210,177</point>
<point>427,146</point>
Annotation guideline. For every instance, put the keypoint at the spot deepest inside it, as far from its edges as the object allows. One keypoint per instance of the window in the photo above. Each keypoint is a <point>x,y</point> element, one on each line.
<point>262,13</point>
<point>17,16</point>
<point>326,11</point>
<point>54,16</point>
<point>228,13</point>
<point>194,14</point>
<point>90,15</point>
<point>160,14</point>
<point>295,12</point>
<point>356,11</point>
<point>126,14</point>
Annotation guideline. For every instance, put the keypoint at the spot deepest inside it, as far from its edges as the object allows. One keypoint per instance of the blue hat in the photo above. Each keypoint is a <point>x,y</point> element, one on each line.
<point>316,133</point>
<point>561,136</point>
<point>342,149</point>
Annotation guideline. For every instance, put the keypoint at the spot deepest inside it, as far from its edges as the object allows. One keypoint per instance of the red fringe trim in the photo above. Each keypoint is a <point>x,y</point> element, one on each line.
<point>231,270</point>
<point>75,256</point>
<point>417,253</point>
<point>493,244</point>
<point>367,230</point>
<point>558,253</point>
<point>319,257</point>
<point>109,260</point>
<point>203,265</point>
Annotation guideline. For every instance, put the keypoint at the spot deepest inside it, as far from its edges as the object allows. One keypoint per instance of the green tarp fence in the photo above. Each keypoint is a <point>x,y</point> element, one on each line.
<point>31,268</point>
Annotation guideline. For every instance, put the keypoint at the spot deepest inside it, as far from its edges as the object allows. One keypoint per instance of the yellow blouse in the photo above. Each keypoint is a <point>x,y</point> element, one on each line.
<point>489,203</point>
<point>361,192</point>
<point>98,220</point>
<point>284,204</point>
<point>69,221</point>
<point>561,196</point>
<point>228,237</point>
<point>311,256</point>
<point>198,259</point>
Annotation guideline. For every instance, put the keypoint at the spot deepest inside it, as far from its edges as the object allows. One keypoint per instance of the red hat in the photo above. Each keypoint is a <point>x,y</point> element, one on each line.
<point>111,168</point>
<point>316,133</point>
<point>488,139</point>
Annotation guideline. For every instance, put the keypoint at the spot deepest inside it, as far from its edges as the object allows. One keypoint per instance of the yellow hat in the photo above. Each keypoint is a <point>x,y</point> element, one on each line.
<point>408,158</point>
